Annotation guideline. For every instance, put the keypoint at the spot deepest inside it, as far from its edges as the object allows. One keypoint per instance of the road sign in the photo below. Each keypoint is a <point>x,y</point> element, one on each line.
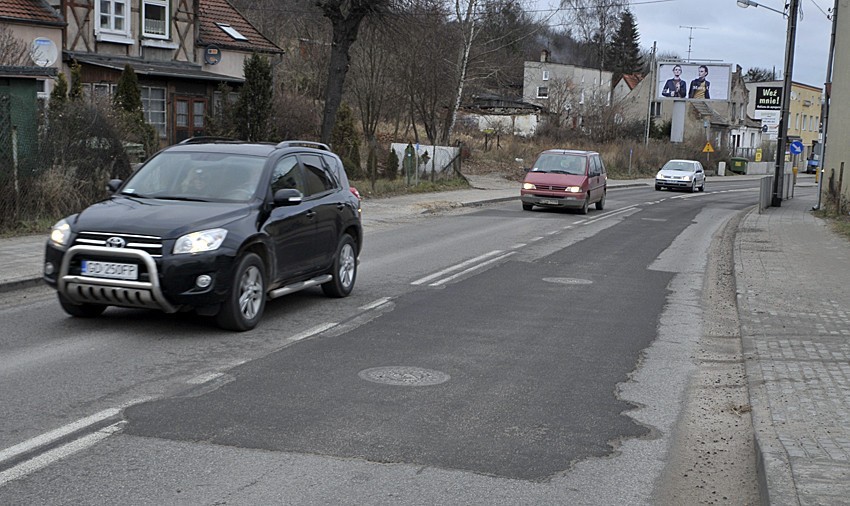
<point>796,147</point>
<point>708,148</point>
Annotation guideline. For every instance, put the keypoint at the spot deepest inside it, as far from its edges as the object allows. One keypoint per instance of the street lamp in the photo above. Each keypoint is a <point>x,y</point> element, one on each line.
<point>779,169</point>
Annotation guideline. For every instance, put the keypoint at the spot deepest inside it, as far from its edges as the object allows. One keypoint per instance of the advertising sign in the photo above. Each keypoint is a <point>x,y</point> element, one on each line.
<point>768,109</point>
<point>693,81</point>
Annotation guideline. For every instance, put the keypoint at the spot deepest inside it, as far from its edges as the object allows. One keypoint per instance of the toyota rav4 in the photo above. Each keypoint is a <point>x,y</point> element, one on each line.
<point>213,226</point>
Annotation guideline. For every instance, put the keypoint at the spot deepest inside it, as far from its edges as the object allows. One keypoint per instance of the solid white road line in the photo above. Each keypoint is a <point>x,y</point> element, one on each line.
<point>45,459</point>
<point>203,378</point>
<point>453,268</point>
<point>482,264</point>
<point>373,305</point>
<point>56,434</point>
<point>313,331</point>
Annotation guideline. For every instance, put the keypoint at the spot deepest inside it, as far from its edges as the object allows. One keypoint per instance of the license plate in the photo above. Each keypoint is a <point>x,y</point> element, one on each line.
<point>549,202</point>
<point>110,270</point>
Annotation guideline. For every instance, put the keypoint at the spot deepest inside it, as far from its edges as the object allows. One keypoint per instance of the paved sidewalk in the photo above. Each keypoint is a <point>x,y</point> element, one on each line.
<point>793,282</point>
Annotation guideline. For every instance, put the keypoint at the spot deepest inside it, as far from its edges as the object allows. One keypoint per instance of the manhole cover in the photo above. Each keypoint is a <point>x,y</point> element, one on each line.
<point>568,281</point>
<point>404,376</point>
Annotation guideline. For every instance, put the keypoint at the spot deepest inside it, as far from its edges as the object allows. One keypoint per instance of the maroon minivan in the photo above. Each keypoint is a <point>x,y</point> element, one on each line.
<point>565,178</point>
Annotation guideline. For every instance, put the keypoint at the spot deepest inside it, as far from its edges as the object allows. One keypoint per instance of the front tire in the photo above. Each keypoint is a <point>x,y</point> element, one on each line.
<point>81,310</point>
<point>702,187</point>
<point>527,207</point>
<point>693,187</point>
<point>344,270</point>
<point>246,299</point>
<point>583,209</point>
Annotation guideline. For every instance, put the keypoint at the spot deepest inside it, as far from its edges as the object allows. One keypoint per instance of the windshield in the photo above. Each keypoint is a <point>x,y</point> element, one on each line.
<point>680,166</point>
<point>198,177</point>
<point>563,164</point>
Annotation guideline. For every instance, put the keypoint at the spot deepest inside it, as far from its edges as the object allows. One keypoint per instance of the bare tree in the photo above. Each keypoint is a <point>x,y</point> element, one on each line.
<point>595,22</point>
<point>13,51</point>
<point>345,17</point>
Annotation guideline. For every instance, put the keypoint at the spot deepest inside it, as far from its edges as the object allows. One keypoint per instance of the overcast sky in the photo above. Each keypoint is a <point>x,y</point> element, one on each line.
<point>726,33</point>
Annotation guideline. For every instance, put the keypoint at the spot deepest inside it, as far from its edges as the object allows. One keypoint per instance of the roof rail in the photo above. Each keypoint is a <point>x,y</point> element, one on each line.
<point>207,138</point>
<point>303,144</point>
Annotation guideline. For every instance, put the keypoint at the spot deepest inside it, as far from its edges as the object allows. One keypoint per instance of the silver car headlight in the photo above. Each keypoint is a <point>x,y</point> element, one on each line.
<point>687,178</point>
<point>528,186</point>
<point>197,242</point>
<point>60,234</point>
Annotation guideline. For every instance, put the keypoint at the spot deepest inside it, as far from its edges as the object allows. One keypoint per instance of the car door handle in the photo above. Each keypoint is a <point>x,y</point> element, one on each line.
<point>311,214</point>
<point>340,206</point>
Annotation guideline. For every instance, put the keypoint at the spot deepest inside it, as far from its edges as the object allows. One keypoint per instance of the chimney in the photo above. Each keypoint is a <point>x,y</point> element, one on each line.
<point>544,56</point>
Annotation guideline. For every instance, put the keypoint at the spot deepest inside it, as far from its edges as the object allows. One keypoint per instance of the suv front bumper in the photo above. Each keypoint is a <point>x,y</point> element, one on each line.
<point>164,284</point>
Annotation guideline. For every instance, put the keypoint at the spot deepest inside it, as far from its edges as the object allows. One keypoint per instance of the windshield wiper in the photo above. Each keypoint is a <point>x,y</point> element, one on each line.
<point>134,194</point>
<point>184,199</point>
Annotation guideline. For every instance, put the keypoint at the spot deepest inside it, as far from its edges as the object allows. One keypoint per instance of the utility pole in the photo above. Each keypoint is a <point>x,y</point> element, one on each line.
<point>691,37</point>
<point>653,77</point>
<point>782,141</point>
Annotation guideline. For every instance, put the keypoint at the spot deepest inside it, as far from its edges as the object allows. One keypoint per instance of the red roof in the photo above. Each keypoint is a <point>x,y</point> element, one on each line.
<point>211,13</point>
<point>37,11</point>
<point>632,80</point>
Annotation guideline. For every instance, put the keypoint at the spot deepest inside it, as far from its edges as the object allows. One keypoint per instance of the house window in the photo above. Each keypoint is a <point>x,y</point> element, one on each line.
<point>655,110</point>
<point>233,32</point>
<point>805,122</point>
<point>542,92</point>
<point>545,75</point>
<point>112,17</point>
<point>155,18</point>
<point>153,105</point>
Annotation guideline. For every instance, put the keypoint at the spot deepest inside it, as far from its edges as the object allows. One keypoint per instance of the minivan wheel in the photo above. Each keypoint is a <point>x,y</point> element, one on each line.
<point>527,207</point>
<point>344,270</point>
<point>600,205</point>
<point>243,307</point>
<point>81,310</point>
<point>583,209</point>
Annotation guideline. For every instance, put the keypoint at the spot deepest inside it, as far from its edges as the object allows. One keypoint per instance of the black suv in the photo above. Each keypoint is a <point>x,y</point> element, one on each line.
<point>212,226</point>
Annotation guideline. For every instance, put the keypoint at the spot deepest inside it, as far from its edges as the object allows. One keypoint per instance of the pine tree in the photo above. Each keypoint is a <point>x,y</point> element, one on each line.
<point>128,96</point>
<point>59,95</point>
<point>624,51</point>
<point>346,141</point>
<point>76,91</point>
<point>254,106</point>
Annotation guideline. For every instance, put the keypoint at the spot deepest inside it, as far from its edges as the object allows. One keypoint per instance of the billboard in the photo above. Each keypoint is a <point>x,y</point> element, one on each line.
<point>693,81</point>
<point>768,109</point>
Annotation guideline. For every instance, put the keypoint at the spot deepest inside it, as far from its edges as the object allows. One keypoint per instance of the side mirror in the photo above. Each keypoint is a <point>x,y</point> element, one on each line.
<point>113,185</point>
<point>287,197</point>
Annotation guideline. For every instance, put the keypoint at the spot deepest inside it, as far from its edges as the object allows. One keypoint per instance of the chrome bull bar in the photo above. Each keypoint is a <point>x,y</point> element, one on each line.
<point>115,292</point>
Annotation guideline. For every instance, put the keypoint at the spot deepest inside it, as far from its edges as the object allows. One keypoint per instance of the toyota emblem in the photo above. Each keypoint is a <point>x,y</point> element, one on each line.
<point>115,242</point>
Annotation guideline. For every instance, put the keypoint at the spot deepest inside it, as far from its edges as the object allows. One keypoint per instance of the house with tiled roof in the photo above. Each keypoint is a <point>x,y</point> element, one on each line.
<point>180,50</point>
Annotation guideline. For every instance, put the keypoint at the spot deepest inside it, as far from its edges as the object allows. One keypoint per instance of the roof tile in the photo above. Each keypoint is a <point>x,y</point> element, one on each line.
<point>221,11</point>
<point>28,10</point>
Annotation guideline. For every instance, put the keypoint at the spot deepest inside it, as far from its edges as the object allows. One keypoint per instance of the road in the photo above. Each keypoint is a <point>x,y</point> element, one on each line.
<point>487,356</point>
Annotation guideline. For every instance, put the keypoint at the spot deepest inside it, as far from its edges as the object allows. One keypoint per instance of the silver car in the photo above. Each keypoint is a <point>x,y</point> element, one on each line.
<point>684,174</point>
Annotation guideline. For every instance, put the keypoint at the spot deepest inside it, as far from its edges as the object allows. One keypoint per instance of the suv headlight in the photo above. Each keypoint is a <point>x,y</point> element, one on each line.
<point>60,234</point>
<point>197,242</point>
<point>528,186</point>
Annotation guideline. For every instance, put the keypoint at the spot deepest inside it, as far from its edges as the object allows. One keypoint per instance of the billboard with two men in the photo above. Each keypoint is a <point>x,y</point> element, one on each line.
<point>693,81</point>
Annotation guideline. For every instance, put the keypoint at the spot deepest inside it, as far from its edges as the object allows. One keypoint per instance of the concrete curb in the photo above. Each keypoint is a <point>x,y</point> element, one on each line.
<point>18,284</point>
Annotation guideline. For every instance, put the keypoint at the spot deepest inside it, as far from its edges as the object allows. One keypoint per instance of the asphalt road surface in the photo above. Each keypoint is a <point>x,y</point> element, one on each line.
<point>487,356</point>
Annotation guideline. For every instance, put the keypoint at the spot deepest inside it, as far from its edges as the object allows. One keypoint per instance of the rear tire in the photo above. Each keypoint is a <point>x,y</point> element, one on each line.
<point>246,299</point>
<point>527,207</point>
<point>84,310</point>
<point>344,270</point>
<point>600,205</point>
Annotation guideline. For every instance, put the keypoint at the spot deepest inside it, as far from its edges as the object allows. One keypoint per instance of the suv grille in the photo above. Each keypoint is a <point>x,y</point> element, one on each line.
<point>149,243</point>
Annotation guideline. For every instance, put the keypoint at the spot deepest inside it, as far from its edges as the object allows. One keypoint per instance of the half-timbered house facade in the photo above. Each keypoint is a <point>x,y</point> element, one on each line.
<point>181,50</point>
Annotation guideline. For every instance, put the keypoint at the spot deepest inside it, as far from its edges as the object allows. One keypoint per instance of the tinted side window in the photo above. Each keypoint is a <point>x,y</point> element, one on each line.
<point>287,174</point>
<point>317,178</point>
